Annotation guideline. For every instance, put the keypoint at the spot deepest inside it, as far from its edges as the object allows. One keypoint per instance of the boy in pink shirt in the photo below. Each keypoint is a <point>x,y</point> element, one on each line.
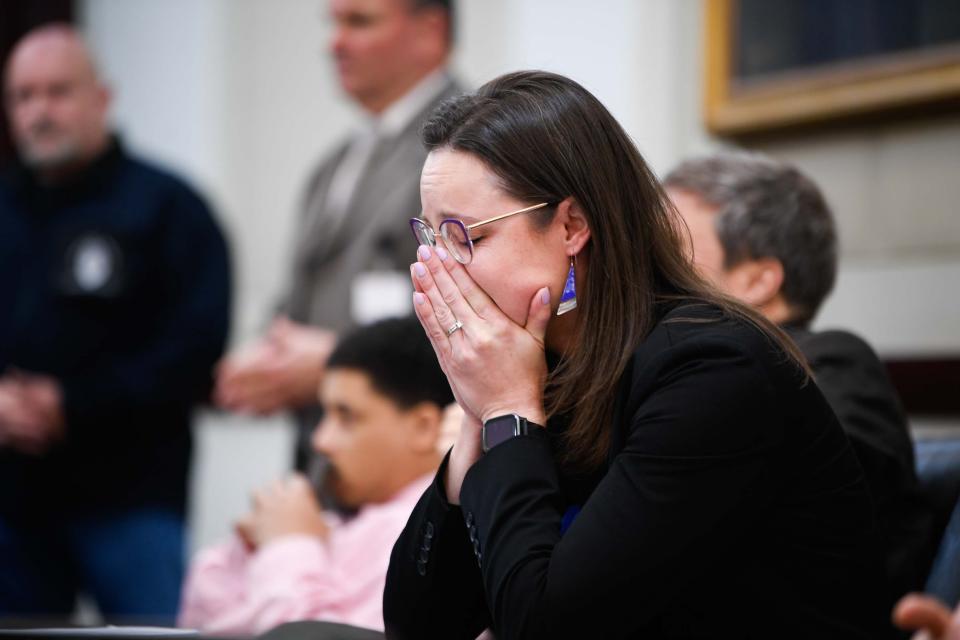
<point>383,396</point>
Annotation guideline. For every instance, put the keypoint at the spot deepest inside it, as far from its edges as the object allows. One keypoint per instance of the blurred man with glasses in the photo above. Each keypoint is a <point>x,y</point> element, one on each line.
<point>763,232</point>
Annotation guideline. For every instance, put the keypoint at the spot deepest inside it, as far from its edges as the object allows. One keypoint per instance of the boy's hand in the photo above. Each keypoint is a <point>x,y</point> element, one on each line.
<point>287,507</point>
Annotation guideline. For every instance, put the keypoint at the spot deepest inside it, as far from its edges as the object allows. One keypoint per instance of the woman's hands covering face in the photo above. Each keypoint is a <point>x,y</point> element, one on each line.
<point>494,365</point>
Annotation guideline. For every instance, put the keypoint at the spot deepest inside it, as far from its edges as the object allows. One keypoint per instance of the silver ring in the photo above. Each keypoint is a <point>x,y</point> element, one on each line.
<point>456,326</point>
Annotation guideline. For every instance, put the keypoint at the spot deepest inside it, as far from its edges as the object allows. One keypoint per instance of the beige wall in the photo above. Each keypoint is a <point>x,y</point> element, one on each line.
<point>238,95</point>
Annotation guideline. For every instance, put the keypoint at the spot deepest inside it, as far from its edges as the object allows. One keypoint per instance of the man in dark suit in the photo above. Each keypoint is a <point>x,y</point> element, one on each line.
<point>351,251</point>
<point>763,232</point>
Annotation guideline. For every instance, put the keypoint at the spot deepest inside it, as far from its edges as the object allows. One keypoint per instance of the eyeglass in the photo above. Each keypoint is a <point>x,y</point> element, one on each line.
<point>456,235</point>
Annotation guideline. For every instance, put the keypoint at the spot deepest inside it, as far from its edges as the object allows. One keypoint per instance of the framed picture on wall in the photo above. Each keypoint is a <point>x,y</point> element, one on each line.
<point>780,64</point>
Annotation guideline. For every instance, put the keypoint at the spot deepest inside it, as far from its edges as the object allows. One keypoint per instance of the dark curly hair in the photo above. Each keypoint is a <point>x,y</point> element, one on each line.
<point>397,356</point>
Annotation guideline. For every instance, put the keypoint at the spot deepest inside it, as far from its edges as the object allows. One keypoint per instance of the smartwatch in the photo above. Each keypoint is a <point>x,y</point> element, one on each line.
<point>502,428</point>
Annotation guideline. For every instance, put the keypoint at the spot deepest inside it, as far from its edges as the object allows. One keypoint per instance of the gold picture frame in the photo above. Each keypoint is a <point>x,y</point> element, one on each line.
<point>889,83</point>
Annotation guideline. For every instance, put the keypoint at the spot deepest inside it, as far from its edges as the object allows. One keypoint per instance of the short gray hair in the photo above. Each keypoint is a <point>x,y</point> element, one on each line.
<point>768,209</point>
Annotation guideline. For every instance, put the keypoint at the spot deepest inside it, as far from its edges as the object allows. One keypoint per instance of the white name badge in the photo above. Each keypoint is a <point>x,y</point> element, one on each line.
<point>375,295</point>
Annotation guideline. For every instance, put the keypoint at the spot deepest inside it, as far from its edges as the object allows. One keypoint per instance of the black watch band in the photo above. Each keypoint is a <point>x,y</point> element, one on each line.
<point>502,428</point>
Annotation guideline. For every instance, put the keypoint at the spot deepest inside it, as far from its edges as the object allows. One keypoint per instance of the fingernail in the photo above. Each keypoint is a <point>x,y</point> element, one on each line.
<point>545,296</point>
<point>418,298</point>
<point>441,253</point>
<point>420,269</point>
<point>424,252</point>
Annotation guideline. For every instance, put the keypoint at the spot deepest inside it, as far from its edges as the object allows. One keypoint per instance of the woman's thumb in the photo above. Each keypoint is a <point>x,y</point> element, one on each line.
<point>539,314</point>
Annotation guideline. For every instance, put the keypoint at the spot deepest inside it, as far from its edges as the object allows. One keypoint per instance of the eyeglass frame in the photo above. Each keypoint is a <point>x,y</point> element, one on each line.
<point>466,228</point>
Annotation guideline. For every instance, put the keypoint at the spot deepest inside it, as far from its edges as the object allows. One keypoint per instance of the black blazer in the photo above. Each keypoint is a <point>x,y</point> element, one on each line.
<point>732,506</point>
<point>856,386</point>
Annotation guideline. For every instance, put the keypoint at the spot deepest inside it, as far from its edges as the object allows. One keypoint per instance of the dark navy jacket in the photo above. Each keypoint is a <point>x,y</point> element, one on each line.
<point>117,285</point>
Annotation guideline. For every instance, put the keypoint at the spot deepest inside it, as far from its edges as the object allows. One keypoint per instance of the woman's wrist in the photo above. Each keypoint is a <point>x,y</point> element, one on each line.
<point>468,447</point>
<point>466,450</point>
<point>533,412</point>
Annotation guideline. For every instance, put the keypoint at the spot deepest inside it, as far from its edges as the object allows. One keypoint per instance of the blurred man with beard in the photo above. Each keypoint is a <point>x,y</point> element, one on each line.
<point>383,397</point>
<point>115,289</point>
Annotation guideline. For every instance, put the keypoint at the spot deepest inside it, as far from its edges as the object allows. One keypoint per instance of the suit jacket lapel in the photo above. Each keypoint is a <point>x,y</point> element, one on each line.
<point>314,242</point>
<point>372,192</point>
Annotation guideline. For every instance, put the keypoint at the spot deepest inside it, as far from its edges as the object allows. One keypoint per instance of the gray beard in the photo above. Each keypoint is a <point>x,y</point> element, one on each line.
<point>65,155</point>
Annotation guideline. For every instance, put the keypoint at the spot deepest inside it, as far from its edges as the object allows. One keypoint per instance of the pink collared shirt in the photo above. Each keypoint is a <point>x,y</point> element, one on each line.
<point>231,591</point>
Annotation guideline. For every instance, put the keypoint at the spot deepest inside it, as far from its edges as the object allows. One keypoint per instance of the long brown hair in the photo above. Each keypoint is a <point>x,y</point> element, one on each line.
<point>547,138</point>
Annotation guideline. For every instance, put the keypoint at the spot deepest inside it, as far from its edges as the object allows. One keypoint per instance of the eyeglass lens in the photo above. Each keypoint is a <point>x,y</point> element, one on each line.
<point>456,240</point>
<point>423,233</point>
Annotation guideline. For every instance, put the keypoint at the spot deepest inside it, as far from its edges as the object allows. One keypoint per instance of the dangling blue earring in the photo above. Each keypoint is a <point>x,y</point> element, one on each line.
<point>568,300</point>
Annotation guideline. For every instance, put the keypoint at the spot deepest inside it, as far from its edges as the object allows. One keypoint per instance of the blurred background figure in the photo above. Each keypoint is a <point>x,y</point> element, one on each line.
<point>115,286</point>
<point>383,396</point>
<point>351,256</point>
<point>763,232</point>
